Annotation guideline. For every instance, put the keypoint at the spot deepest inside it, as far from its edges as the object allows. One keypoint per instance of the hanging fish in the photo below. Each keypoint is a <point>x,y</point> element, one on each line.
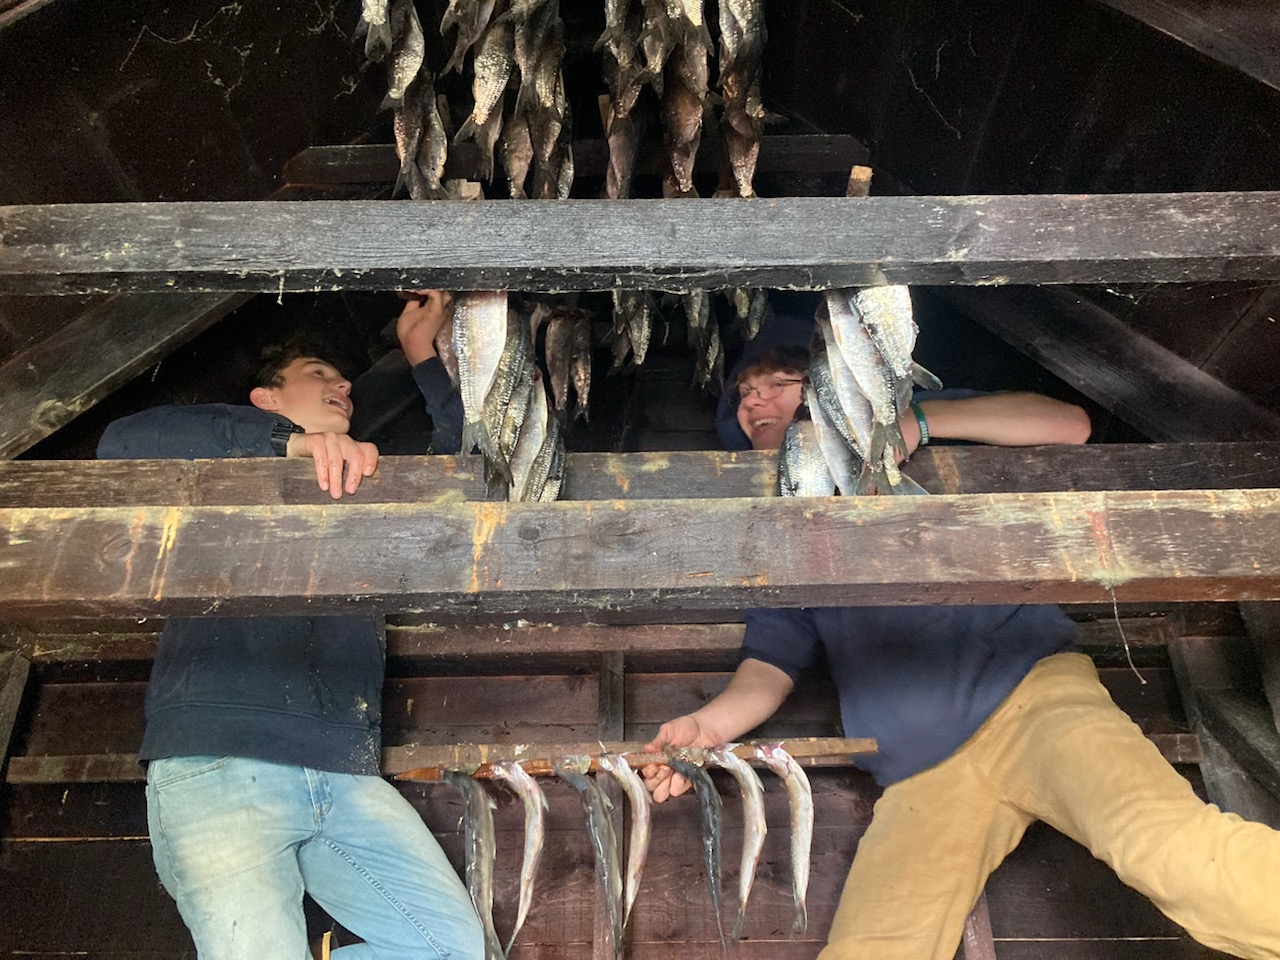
<point>800,795</point>
<point>603,840</point>
<point>615,764</point>
<point>470,17</point>
<point>479,847</point>
<point>535,829</point>
<point>885,312</point>
<point>407,52</point>
<point>753,823</point>
<point>711,817</point>
<point>479,342</point>
<point>802,469</point>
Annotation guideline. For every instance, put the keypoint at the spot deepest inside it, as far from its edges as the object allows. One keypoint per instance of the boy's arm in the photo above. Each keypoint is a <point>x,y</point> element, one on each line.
<point>421,321</point>
<point>754,694</point>
<point>219,430</point>
<point>1016,419</point>
<point>204,430</point>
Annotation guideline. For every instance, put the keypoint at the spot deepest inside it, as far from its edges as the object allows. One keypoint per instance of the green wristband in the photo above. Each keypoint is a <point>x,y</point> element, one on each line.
<point>924,424</point>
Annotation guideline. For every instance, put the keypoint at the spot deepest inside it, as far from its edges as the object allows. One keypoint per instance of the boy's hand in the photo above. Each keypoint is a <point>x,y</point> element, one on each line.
<point>425,314</point>
<point>659,779</point>
<point>332,452</point>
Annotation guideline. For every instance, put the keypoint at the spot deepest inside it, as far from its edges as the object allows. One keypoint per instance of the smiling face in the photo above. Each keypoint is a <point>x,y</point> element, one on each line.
<point>767,403</point>
<point>311,393</point>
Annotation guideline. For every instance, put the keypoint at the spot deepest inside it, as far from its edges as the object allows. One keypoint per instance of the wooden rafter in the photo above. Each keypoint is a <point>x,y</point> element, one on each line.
<point>528,560</point>
<point>660,244</point>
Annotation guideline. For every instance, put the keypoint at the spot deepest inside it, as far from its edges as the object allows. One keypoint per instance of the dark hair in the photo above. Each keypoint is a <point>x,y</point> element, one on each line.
<point>274,359</point>
<point>785,358</point>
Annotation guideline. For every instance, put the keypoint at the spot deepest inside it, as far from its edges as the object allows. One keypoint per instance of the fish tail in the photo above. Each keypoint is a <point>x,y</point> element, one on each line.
<point>906,485</point>
<point>378,42</point>
<point>801,925</point>
<point>467,131</point>
<point>738,921</point>
<point>924,378</point>
<point>478,434</point>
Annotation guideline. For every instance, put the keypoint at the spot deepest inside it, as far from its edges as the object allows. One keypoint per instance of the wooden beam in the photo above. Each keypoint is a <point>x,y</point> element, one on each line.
<point>124,768</point>
<point>635,476</point>
<point>528,560</point>
<point>14,668</point>
<point>11,11</point>
<point>1243,725</point>
<point>1262,623</point>
<point>48,385</point>
<point>1141,382</point>
<point>378,163</point>
<point>792,243</point>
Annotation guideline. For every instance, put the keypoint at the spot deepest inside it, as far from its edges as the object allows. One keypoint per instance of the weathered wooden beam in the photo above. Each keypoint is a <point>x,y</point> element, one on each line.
<point>635,476</point>
<point>14,668</point>
<point>528,560</point>
<point>48,385</point>
<point>1243,725</point>
<point>1262,622</point>
<point>378,163</point>
<point>1141,382</point>
<point>788,243</point>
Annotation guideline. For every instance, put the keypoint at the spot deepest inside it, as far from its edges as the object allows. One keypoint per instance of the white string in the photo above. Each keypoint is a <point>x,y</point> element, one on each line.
<point>1115,609</point>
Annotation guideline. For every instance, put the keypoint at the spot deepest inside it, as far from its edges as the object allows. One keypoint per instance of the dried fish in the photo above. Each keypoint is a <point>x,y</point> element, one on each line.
<point>407,52</point>
<point>470,17</point>
<point>535,829</point>
<point>378,40</point>
<point>826,399</point>
<point>886,314</point>
<point>491,71</point>
<point>753,823</point>
<point>802,468</point>
<point>603,840</point>
<point>711,816</point>
<point>479,835</point>
<point>479,341</point>
<point>800,795</point>
<point>582,362</point>
<point>615,764</point>
<point>517,153</point>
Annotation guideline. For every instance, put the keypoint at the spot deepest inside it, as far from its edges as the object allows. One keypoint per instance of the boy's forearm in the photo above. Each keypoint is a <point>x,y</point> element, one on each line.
<point>754,694</point>
<point>1005,419</point>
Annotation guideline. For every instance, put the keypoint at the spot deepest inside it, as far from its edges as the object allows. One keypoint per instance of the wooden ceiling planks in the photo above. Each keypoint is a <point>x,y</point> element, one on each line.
<point>789,243</point>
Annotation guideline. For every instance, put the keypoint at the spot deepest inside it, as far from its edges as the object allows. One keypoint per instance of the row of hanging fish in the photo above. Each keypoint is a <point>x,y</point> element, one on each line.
<point>506,414</point>
<point>860,383</point>
<point>620,884</point>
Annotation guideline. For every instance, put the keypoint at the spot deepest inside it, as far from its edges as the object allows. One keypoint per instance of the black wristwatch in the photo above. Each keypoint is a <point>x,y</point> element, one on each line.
<point>281,431</point>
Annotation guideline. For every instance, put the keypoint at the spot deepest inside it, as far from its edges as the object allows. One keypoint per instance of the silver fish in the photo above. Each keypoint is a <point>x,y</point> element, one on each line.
<point>603,840</point>
<point>529,444</point>
<point>480,844</point>
<point>479,339</point>
<point>582,362</point>
<point>559,354</point>
<point>800,795</point>
<point>470,17</point>
<point>886,314</point>
<point>407,54</point>
<point>802,469</point>
<point>753,823</point>
<point>497,405</point>
<point>378,40</point>
<point>517,154</point>
<point>533,24</point>
<point>535,830</point>
<point>515,413</point>
<point>434,151</point>
<point>711,816</point>
<point>876,381</point>
<point>615,764</point>
<point>490,72</point>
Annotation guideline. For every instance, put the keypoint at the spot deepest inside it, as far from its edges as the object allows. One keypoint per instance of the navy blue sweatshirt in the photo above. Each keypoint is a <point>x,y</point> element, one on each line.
<point>304,691</point>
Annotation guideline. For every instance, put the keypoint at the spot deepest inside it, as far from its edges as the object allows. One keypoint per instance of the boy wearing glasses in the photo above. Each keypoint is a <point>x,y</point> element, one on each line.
<point>987,720</point>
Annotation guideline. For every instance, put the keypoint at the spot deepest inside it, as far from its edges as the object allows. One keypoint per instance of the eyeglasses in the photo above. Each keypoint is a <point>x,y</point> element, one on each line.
<point>768,390</point>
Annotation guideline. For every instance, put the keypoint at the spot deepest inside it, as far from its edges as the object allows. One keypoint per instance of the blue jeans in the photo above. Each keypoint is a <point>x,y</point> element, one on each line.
<point>237,842</point>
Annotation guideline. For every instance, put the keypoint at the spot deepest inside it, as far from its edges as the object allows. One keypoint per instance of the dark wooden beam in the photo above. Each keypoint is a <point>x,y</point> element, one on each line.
<point>635,476</point>
<point>378,163</point>
<point>11,11</point>
<point>528,560</point>
<point>790,243</point>
<point>1243,725</point>
<point>48,385</point>
<point>1262,623</point>
<point>1141,382</point>
<point>14,668</point>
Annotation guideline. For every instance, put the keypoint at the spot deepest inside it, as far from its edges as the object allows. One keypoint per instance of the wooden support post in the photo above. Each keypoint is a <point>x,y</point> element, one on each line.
<point>1262,622</point>
<point>14,668</point>
<point>1202,665</point>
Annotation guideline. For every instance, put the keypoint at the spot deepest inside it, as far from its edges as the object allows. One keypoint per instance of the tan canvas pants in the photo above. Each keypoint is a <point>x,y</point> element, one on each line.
<point>1059,750</point>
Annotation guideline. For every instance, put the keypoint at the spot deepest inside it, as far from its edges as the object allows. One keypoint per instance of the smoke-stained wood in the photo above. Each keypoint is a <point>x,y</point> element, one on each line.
<point>527,559</point>
<point>786,243</point>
